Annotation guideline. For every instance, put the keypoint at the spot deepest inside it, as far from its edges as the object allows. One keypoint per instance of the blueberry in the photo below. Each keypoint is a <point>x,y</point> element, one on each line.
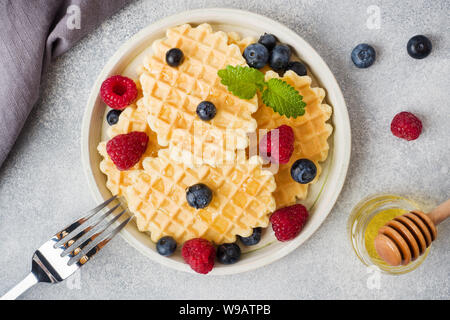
<point>363,55</point>
<point>253,239</point>
<point>419,47</point>
<point>256,55</point>
<point>198,196</point>
<point>298,67</point>
<point>166,246</point>
<point>268,40</point>
<point>279,59</point>
<point>303,171</point>
<point>228,253</point>
<point>112,117</point>
<point>206,110</point>
<point>174,57</point>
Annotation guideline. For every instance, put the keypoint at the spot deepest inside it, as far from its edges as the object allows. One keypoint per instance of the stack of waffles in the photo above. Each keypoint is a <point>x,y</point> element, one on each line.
<point>184,150</point>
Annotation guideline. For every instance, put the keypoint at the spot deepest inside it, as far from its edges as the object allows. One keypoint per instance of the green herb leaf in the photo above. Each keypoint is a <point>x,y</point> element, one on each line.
<point>242,81</point>
<point>283,98</point>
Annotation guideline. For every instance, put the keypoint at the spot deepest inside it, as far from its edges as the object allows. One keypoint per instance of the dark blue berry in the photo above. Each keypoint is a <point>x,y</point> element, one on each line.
<point>268,40</point>
<point>298,67</point>
<point>363,55</point>
<point>166,246</point>
<point>303,171</point>
<point>228,253</point>
<point>198,196</point>
<point>256,55</point>
<point>206,110</point>
<point>419,47</point>
<point>174,57</point>
<point>253,239</point>
<point>112,117</point>
<point>279,59</point>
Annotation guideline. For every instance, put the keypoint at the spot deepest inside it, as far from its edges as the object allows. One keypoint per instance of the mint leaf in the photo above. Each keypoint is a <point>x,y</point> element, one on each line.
<point>283,98</point>
<point>242,81</point>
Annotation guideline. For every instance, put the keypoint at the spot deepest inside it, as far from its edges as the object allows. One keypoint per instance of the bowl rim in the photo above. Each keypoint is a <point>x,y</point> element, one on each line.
<point>341,133</point>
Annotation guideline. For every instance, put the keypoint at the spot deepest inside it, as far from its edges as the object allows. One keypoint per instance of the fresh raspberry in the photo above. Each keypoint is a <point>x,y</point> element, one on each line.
<point>199,254</point>
<point>278,150</point>
<point>289,221</point>
<point>125,150</point>
<point>118,92</point>
<point>407,126</point>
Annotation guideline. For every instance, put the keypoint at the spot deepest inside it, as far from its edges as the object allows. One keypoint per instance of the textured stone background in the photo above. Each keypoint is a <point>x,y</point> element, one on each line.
<point>42,185</point>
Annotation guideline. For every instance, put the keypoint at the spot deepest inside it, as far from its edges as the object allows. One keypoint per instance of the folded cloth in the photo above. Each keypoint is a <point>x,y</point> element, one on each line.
<point>31,34</point>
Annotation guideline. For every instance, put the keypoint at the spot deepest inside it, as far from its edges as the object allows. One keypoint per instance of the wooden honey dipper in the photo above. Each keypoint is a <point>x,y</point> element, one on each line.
<point>406,237</point>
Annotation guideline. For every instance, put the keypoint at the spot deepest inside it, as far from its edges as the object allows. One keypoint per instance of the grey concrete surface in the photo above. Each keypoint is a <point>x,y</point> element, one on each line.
<point>42,185</point>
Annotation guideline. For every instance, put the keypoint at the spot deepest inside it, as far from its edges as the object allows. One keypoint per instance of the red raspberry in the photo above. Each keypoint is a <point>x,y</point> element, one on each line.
<point>289,221</point>
<point>407,126</point>
<point>118,92</point>
<point>278,150</point>
<point>199,254</point>
<point>125,150</point>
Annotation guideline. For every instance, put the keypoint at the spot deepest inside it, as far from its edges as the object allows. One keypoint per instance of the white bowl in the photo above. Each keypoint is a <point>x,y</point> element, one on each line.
<point>322,195</point>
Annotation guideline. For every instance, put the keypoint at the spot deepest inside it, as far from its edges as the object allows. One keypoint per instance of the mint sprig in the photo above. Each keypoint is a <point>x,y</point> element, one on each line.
<point>244,82</point>
<point>283,98</point>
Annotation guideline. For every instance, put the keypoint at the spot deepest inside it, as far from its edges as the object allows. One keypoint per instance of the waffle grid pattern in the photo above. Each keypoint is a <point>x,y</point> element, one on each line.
<point>244,193</point>
<point>311,134</point>
<point>242,199</point>
<point>171,95</point>
<point>133,118</point>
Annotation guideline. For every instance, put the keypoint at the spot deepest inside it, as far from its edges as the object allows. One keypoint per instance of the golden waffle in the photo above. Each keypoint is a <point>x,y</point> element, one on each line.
<point>242,199</point>
<point>311,132</point>
<point>133,118</point>
<point>171,96</point>
<point>234,38</point>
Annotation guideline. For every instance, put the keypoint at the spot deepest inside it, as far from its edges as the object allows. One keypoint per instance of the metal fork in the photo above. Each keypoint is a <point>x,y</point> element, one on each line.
<point>71,248</point>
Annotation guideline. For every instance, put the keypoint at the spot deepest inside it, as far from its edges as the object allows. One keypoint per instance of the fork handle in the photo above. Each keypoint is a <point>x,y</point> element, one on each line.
<point>21,287</point>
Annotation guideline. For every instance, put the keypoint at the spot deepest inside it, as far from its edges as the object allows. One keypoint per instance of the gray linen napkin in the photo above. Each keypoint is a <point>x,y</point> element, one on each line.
<point>32,32</point>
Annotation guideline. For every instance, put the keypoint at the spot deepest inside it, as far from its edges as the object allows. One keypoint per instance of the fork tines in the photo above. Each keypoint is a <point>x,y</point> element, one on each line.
<point>86,236</point>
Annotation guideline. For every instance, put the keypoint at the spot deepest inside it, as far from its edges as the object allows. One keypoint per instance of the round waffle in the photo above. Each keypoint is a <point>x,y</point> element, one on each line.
<point>311,133</point>
<point>171,96</point>
<point>242,199</point>
<point>133,118</point>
